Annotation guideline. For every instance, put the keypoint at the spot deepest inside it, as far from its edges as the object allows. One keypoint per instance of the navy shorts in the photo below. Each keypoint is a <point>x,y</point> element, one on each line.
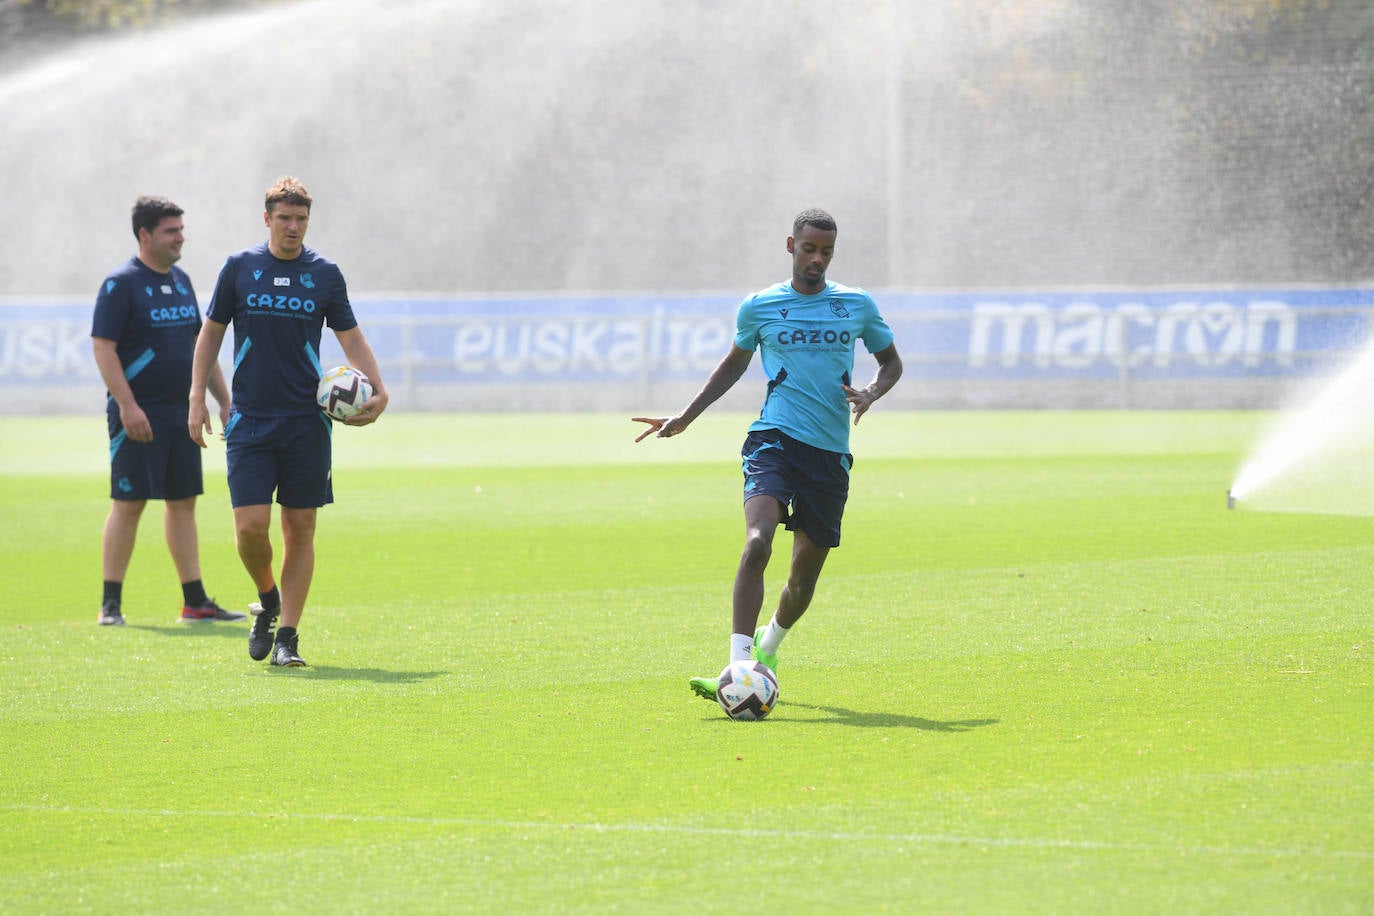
<point>811,483</point>
<point>166,468</point>
<point>286,455</point>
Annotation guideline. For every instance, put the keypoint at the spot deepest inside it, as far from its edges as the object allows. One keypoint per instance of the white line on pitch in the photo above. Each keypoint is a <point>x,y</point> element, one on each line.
<point>838,836</point>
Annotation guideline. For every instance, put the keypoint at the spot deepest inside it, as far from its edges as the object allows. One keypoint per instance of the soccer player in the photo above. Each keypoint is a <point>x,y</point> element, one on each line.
<point>143,334</point>
<point>796,454</point>
<point>279,295</point>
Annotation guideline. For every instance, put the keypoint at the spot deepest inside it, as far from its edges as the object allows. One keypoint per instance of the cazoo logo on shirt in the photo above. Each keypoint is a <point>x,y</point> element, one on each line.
<point>175,313</point>
<point>812,337</point>
<point>280,303</point>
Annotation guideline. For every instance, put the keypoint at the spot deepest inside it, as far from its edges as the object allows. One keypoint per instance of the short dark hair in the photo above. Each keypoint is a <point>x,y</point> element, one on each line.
<point>287,190</point>
<point>813,217</point>
<point>149,211</point>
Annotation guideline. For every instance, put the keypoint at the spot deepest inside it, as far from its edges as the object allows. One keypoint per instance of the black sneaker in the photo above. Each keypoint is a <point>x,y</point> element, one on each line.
<point>110,615</point>
<point>260,637</point>
<point>284,654</point>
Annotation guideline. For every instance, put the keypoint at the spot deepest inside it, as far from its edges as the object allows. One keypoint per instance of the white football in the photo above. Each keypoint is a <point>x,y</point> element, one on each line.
<point>342,392</point>
<point>747,690</point>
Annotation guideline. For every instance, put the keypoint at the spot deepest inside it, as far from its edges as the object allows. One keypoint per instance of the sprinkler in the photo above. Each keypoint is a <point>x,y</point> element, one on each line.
<point>1230,500</point>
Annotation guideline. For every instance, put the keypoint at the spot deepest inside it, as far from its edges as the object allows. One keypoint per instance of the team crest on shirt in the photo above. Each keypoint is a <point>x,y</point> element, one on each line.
<point>307,281</point>
<point>181,289</point>
<point>837,307</point>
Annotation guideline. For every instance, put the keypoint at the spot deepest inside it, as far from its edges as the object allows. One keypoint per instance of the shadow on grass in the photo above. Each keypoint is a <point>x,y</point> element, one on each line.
<point>222,630</point>
<point>838,715</point>
<point>310,672</point>
<point>376,675</point>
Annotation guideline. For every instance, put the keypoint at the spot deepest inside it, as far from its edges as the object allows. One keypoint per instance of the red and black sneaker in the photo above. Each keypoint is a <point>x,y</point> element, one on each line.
<point>208,613</point>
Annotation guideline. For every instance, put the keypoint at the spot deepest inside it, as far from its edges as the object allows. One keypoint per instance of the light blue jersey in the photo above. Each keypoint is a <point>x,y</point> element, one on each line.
<point>807,345</point>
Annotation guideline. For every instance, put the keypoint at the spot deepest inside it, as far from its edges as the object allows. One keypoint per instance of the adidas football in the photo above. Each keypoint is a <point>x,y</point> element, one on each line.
<point>342,392</point>
<point>747,690</point>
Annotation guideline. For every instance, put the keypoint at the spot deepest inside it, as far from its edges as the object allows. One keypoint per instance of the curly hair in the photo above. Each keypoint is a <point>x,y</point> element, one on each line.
<point>813,217</point>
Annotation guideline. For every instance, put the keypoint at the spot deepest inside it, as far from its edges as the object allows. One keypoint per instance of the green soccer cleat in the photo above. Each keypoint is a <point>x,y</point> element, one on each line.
<point>704,687</point>
<point>768,661</point>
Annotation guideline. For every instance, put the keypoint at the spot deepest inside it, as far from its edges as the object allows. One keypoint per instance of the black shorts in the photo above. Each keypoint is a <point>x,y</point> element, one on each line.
<point>167,468</point>
<point>811,483</point>
<point>290,456</point>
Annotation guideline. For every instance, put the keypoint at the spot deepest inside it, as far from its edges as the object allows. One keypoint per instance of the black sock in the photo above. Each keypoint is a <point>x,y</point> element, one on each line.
<point>193,593</point>
<point>114,593</point>
<point>286,636</point>
<point>270,601</point>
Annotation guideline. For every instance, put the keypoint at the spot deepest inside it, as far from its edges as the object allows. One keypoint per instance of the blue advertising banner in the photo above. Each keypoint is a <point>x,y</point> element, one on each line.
<point>1151,334</point>
<point>426,340</point>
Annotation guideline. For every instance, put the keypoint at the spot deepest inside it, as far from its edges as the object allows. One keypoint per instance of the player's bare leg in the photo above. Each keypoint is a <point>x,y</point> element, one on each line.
<point>116,549</point>
<point>121,530</point>
<point>183,542</point>
<point>298,562</point>
<point>297,570</point>
<point>807,562</point>
<point>793,600</point>
<point>252,526</point>
<point>762,515</point>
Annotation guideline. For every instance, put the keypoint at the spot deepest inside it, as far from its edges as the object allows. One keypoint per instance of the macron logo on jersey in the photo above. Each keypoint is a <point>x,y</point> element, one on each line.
<point>149,291</point>
<point>783,312</point>
<point>257,275</point>
<point>110,285</point>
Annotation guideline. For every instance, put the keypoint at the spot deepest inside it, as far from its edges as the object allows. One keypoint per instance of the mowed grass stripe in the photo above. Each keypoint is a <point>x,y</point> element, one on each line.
<point>1046,672</point>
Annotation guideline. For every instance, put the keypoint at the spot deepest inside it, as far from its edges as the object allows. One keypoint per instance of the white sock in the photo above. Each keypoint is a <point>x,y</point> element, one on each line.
<point>741,647</point>
<point>772,637</point>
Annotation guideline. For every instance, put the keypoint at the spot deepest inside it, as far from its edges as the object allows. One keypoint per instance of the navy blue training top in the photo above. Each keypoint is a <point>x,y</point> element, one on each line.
<point>153,318</point>
<point>279,310</point>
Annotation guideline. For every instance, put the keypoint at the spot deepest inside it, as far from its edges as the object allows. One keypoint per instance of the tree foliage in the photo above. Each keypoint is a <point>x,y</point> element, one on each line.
<point>96,15</point>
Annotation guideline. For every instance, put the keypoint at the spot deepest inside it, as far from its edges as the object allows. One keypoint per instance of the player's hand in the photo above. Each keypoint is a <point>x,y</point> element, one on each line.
<point>860,399</point>
<point>663,426</point>
<point>372,409</point>
<point>198,423</point>
<point>136,424</point>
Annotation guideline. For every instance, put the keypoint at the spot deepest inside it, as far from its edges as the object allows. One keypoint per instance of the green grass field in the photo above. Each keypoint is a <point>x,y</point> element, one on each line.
<point>1047,672</point>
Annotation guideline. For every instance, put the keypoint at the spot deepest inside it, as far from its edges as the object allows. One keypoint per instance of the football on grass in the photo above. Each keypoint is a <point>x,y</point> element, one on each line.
<point>747,691</point>
<point>342,392</point>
